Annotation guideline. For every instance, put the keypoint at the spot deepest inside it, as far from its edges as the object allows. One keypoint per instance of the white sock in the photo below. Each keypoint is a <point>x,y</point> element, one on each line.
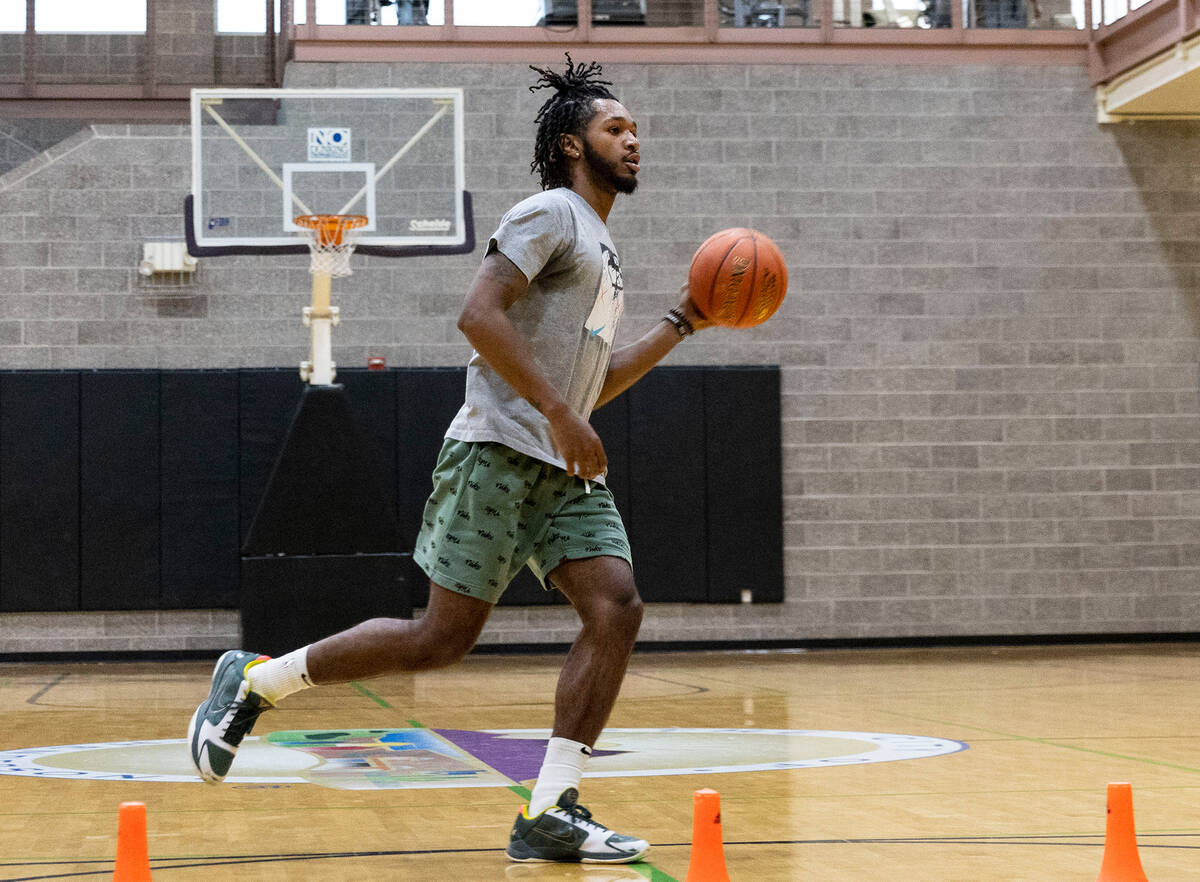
<point>562,768</point>
<point>278,678</point>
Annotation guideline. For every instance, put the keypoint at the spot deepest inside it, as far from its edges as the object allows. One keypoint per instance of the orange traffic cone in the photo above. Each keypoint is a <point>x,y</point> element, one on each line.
<point>707,863</point>
<point>1121,862</point>
<point>133,856</point>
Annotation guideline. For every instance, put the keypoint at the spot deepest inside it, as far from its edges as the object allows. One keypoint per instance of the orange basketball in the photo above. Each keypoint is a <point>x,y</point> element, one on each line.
<point>737,278</point>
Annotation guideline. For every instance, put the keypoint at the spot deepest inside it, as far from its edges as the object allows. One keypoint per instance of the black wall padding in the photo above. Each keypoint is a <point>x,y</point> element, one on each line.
<point>173,466</point>
<point>325,494</point>
<point>39,491</point>
<point>200,538</point>
<point>119,490</point>
<point>611,423</point>
<point>299,599</point>
<point>426,401</point>
<point>267,401</point>
<point>371,396</point>
<point>666,474</point>
<point>745,508</point>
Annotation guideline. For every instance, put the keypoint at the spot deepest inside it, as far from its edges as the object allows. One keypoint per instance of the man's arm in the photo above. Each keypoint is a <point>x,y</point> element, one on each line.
<point>485,322</point>
<point>630,363</point>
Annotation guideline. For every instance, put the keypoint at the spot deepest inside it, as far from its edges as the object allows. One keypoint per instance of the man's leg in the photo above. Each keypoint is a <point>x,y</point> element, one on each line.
<point>443,635</point>
<point>603,593</point>
<point>245,684</point>
<point>554,826</point>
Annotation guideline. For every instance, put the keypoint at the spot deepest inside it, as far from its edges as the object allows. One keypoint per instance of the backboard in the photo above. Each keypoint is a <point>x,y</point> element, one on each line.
<point>261,157</point>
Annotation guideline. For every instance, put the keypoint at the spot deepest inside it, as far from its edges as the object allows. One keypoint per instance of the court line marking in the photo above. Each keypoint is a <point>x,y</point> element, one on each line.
<point>1054,743</point>
<point>655,874</point>
<point>696,689</point>
<point>651,872</point>
<point>371,695</point>
<point>644,869</point>
<point>46,688</point>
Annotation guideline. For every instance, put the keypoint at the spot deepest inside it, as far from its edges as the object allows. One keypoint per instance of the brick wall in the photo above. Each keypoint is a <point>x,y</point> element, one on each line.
<point>989,347</point>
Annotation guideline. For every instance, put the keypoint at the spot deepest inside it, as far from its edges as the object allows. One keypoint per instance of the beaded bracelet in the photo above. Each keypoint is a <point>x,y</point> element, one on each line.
<point>680,323</point>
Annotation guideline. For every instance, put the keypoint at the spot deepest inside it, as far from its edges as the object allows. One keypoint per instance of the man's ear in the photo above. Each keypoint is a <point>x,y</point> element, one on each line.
<point>571,146</point>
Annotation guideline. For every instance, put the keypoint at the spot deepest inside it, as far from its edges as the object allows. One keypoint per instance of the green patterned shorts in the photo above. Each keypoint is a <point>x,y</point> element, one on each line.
<point>493,510</point>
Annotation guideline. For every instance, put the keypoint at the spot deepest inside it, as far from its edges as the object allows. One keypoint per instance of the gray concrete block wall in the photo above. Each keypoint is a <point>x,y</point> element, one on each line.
<point>989,346</point>
<point>187,51</point>
<point>185,42</point>
<point>88,58</point>
<point>12,58</point>
<point>239,59</point>
<point>23,140</point>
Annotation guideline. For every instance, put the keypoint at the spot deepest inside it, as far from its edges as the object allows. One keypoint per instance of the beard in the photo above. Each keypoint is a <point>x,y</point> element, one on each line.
<point>608,171</point>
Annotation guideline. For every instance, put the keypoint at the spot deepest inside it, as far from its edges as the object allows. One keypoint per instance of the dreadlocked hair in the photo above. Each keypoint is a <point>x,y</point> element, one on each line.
<point>566,112</point>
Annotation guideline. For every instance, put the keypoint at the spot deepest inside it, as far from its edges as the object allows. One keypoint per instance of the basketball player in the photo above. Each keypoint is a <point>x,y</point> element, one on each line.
<point>520,478</point>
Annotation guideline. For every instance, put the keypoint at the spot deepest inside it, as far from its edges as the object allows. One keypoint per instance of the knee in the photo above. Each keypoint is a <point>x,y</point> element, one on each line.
<point>621,610</point>
<point>440,649</point>
<point>632,609</point>
<point>422,645</point>
<point>430,657</point>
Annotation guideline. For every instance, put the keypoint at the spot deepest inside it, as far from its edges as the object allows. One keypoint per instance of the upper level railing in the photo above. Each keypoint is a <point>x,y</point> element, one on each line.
<point>575,15</point>
<point>1126,35</point>
<point>48,49</point>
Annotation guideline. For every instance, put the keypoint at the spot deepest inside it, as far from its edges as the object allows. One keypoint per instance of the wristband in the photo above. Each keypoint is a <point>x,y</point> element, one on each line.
<point>680,323</point>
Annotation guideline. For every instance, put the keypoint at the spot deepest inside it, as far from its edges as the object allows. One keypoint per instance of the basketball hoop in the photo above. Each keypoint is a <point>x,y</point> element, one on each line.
<point>331,239</point>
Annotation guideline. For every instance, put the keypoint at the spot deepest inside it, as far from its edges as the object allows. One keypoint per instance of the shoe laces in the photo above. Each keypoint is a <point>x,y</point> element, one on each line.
<point>581,815</point>
<point>245,712</point>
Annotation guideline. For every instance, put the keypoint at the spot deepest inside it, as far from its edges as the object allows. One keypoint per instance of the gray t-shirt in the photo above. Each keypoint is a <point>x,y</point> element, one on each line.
<point>569,315</point>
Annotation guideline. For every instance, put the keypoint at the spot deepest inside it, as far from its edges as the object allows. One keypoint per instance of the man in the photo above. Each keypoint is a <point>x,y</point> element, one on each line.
<point>520,478</point>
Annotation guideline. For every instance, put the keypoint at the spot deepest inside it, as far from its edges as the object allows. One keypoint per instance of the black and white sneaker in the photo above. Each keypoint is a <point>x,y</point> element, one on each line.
<point>226,717</point>
<point>567,833</point>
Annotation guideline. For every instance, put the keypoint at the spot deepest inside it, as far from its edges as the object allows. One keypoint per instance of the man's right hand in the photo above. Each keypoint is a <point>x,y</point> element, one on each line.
<point>577,443</point>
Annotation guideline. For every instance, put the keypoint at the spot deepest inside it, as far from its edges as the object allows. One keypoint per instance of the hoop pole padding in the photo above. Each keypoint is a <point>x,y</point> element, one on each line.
<point>445,108</point>
<point>321,285</point>
<point>322,352</point>
<point>237,139</point>
<point>321,328</point>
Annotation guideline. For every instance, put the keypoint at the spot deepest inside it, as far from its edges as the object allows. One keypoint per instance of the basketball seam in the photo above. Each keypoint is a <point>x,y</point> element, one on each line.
<point>712,289</point>
<point>753,288</point>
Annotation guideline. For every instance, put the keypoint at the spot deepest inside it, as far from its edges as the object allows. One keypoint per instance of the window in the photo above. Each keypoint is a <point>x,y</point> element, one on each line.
<point>86,16</point>
<point>12,17</point>
<point>513,13</point>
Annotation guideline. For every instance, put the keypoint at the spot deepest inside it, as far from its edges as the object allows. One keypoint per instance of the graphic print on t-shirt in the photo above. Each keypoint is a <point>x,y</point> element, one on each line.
<point>597,334</point>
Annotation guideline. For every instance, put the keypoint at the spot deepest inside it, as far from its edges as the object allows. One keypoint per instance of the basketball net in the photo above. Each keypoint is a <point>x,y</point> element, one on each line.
<point>331,239</point>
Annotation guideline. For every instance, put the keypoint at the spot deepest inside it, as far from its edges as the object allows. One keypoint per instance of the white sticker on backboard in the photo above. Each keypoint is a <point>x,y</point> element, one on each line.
<point>328,145</point>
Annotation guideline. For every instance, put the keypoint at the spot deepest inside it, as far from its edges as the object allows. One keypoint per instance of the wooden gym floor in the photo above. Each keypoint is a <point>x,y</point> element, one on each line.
<point>1046,730</point>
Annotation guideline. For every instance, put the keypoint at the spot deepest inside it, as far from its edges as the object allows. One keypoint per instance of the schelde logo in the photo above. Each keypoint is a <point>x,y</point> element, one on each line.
<point>423,225</point>
<point>394,759</point>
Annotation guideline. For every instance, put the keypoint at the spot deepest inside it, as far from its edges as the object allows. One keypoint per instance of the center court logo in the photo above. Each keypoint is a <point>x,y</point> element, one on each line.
<point>393,759</point>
